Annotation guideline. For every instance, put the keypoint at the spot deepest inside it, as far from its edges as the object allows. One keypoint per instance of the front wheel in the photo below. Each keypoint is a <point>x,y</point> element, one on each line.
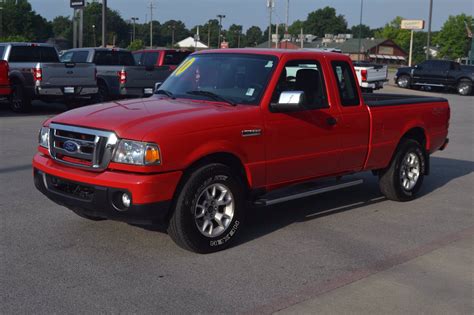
<point>404,81</point>
<point>464,87</point>
<point>402,180</point>
<point>209,210</point>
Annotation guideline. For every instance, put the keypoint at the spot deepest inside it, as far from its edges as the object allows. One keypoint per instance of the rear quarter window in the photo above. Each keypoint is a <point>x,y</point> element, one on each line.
<point>346,84</point>
<point>174,58</point>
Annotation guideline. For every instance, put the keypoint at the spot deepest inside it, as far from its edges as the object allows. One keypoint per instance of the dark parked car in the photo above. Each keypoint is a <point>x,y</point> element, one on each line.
<point>444,74</point>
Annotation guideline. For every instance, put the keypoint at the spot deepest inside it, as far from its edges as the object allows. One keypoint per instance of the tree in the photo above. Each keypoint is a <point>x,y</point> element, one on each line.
<point>452,38</point>
<point>253,36</point>
<point>281,31</point>
<point>208,32</point>
<point>19,19</point>
<point>136,45</point>
<point>325,21</point>
<point>166,32</point>
<point>118,31</point>
<point>295,28</point>
<point>235,37</point>
<point>366,31</point>
<point>62,27</point>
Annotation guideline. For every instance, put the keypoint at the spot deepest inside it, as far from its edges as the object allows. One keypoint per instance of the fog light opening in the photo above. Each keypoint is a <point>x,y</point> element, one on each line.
<point>126,200</point>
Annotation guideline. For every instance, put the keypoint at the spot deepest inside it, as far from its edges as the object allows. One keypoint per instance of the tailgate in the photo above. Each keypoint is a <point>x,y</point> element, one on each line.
<point>377,74</point>
<point>140,77</point>
<point>68,74</point>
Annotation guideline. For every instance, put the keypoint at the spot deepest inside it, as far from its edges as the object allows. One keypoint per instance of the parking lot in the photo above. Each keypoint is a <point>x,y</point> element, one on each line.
<point>345,251</point>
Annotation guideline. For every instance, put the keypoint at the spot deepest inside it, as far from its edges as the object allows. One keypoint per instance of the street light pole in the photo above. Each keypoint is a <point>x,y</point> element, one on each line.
<point>270,6</point>
<point>104,29</point>
<point>134,19</point>
<point>360,28</point>
<point>429,31</point>
<point>220,16</point>
<point>172,28</point>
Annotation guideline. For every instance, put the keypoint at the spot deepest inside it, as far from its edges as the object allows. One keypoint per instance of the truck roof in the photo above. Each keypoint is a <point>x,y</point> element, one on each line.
<point>26,44</point>
<point>269,51</point>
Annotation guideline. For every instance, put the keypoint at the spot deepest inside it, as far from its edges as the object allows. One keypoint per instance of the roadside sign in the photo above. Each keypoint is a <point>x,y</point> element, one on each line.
<point>77,4</point>
<point>412,24</point>
<point>225,45</point>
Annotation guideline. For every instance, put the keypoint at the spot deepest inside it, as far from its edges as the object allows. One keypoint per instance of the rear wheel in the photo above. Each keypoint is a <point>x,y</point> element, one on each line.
<point>404,81</point>
<point>402,180</point>
<point>209,210</point>
<point>102,95</point>
<point>19,100</point>
<point>464,87</point>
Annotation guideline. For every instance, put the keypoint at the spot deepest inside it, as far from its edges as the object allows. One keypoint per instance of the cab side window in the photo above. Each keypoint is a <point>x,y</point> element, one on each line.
<point>347,87</point>
<point>305,76</point>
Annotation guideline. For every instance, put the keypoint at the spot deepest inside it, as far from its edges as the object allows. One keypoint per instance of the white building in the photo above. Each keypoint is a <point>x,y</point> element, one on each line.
<point>191,43</point>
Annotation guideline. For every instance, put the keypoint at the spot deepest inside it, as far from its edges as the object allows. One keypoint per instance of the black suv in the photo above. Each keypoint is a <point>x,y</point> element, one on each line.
<point>437,73</point>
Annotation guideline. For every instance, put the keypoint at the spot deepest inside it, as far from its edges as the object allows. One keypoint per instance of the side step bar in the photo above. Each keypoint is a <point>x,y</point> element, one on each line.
<point>295,192</point>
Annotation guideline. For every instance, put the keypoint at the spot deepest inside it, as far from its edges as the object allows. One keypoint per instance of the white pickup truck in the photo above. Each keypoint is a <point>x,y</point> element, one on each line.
<point>371,76</point>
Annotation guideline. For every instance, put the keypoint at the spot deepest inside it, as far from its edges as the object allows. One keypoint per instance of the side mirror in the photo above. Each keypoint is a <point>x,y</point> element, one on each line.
<point>157,86</point>
<point>289,101</point>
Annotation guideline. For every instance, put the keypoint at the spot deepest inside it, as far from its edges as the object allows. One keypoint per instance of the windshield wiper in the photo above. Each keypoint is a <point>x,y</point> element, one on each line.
<point>214,96</point>
<point>166,92</point>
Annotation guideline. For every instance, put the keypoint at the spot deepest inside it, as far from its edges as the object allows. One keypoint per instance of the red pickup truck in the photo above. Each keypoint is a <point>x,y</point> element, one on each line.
<point>234,128</point>
<point>5,87</point>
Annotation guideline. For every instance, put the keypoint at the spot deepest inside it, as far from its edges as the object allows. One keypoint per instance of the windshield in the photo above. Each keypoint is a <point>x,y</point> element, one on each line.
<point>239,78</point>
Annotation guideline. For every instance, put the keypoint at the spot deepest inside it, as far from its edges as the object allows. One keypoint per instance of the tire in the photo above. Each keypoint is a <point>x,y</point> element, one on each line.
<point>194,206</point>
<point>402,180</point>
<point>404,81</point>
<point>19,100</point>
<point>88,217</point>
<point>464,87</point>
<point>102,95</point>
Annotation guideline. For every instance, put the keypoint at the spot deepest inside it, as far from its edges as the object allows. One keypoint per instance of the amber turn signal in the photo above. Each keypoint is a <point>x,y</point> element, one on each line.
<point>152,155</point>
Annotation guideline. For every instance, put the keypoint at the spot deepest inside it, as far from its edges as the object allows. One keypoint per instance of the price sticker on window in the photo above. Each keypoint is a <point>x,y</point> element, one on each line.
<point>184,66</point>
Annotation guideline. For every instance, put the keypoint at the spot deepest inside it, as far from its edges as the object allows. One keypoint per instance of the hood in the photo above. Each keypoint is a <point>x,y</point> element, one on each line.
<point>135,119</point>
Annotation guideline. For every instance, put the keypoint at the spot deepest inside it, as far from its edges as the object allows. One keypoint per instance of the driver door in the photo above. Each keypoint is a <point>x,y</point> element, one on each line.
<point>304,144</point>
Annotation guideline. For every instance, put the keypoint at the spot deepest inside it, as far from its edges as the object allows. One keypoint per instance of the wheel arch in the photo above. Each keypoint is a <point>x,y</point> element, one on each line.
<point>418,134</point>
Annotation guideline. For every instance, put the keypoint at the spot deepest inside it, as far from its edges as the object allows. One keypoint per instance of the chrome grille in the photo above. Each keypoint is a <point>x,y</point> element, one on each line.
<point>81,147</point>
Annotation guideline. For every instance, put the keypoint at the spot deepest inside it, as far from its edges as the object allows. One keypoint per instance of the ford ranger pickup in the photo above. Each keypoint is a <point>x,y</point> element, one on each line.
<point>232,129</point>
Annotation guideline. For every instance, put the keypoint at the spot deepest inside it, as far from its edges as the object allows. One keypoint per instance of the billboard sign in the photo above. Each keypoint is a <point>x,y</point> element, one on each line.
<point>77,4</point>
<point>412,24</point>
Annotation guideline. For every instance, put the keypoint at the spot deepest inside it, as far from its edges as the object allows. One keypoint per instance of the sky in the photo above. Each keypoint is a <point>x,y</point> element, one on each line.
<point>254,12</point>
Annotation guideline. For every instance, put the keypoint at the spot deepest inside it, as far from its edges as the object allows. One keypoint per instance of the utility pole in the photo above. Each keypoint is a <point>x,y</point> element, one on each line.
<point>220,16</point>
<point>209,34</point>
<point>429,31</point>
<point>134,20</point>
<point>276,36</point>
<point>74,28</point>
<point>104,21</point>
<point>151,23</point>
<point>81,27</point>
<point>287,16</point>
<point>360,28</point>
<point>172,28</point>
<point>270,6</point>
<point>302,39</point>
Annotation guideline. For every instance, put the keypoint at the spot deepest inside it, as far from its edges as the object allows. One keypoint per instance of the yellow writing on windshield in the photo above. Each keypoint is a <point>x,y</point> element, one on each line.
<point>184,66</point>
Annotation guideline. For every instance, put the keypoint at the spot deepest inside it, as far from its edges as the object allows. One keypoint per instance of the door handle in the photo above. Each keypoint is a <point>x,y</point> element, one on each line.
<point>331,121</point>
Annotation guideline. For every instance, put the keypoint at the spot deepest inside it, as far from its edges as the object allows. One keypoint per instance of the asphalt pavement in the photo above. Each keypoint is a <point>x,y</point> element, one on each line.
<point>349,251</point>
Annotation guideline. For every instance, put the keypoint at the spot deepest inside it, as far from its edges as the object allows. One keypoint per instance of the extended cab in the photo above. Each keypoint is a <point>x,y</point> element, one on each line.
<point>234,128</point>
<point>37,74</point>
<point>118,76</point>
<point>444,74</point>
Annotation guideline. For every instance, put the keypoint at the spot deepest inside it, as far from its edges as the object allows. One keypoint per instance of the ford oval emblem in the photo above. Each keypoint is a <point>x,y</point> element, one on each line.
<point>70,146</point>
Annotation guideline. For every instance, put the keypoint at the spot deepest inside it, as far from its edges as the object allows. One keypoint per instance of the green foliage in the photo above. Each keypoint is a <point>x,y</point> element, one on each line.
<point>13,38</point>
<point>366,31</point>
<point>325,21</point>
<point>208,32</point>
<point>233,35</point>
<point>295,28</point>
<point>166,31</point>
<point>136,45</point>
<point>19,19</point>
<point>254,36</point>
<point>452,38</point>
<point>62,27</point>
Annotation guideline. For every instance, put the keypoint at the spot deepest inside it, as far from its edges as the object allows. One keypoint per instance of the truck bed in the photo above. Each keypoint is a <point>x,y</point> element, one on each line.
<point>383,99</point>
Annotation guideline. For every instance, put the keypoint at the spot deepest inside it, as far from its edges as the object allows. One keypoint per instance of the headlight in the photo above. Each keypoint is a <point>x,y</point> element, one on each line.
<point>137,153</point>
<point>43,137</point>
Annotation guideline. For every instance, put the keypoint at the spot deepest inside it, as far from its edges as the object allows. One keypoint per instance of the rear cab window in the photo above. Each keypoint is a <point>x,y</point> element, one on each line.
<point>174,58</point>
<point>33,54</point>
<point>347,87</point>
<point>113,58</point>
